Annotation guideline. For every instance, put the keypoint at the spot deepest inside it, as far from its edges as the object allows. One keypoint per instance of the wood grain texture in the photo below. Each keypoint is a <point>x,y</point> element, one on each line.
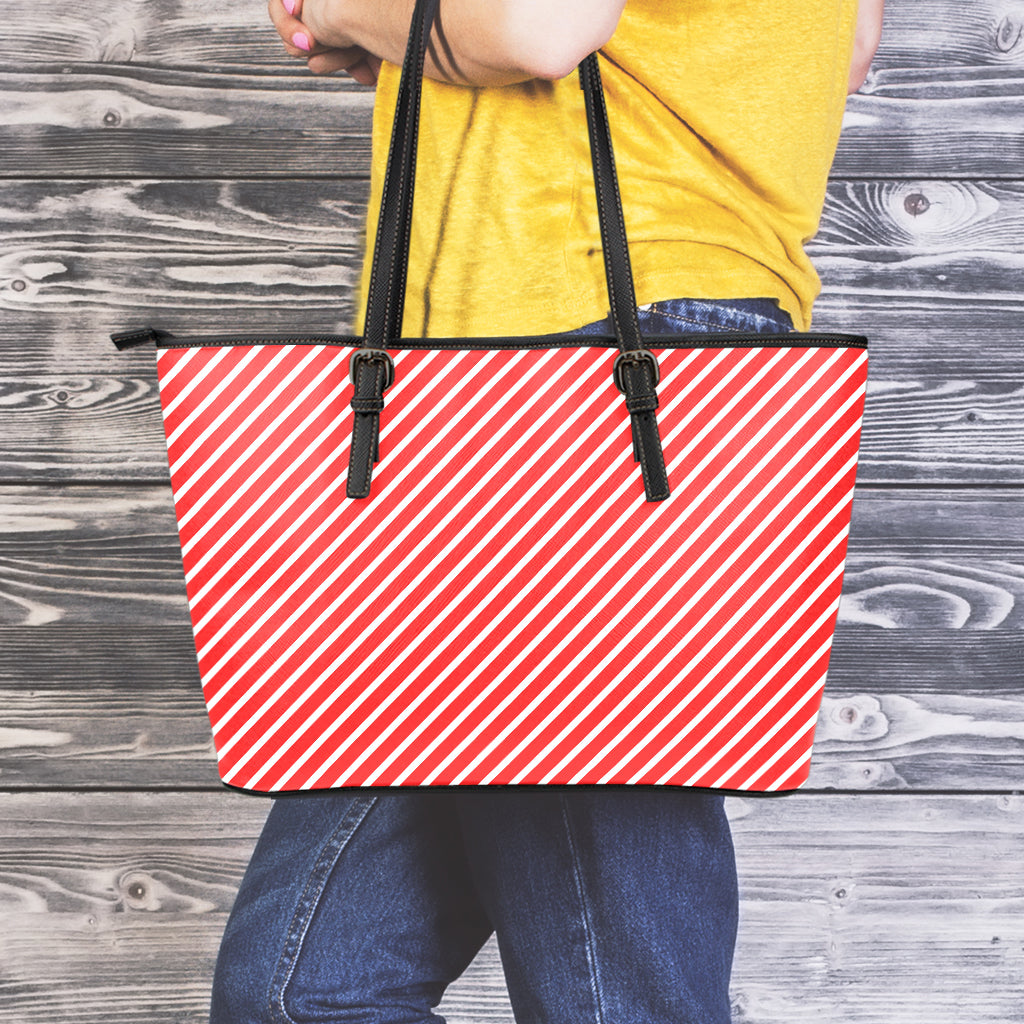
<point>101,707</point>
<point>847,904</point>
<point>123,120</point>
<point>126,119</point>
<point>188,33</point>
<point>940,34</point>
<point>960,123</point>
<point>226,189</point>
<point>935,557</point>
<point>925,427</point>
<point>926,688</point>
<point>82,258</point>
<point>232,249</point>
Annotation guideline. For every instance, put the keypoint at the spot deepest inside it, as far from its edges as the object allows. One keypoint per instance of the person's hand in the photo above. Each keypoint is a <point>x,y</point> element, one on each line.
<point>868,35</point>
<point>324,49</point>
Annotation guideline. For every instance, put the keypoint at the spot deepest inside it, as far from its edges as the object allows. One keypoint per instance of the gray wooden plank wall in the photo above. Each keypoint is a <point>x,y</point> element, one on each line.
<point>163,160</point>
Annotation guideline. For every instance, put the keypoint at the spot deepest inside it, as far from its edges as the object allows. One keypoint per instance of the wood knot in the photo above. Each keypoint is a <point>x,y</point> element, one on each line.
<point>1008,34</point>
<point>111,118</point>
<point>916,204</point>
<point>137,889</point>
<point>19,286</point>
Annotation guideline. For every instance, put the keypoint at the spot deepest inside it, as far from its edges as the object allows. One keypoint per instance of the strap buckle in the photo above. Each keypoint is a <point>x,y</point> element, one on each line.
<point>369,355</point>
<point>637,355</point>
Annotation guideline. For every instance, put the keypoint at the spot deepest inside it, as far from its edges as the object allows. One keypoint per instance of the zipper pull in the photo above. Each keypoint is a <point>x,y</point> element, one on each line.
<point>133,339</point>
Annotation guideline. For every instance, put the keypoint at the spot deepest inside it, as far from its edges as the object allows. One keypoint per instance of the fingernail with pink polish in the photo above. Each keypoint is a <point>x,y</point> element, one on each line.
<point>289,6</point>
<point>301,40</point>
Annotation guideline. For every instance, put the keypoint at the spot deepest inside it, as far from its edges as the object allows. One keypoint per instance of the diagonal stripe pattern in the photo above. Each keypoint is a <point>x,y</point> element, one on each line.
<point>506,608</point>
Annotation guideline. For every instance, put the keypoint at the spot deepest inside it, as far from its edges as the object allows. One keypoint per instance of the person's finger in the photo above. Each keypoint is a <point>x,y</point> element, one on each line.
<point>354,60</point>
<point>297,38</point>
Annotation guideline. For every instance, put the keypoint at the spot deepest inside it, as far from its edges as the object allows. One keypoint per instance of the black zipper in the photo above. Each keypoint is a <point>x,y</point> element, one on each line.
<point>164,339</point>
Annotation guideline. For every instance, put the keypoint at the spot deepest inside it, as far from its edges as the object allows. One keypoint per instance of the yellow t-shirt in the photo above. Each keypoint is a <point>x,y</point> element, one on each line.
<point>725,116</point>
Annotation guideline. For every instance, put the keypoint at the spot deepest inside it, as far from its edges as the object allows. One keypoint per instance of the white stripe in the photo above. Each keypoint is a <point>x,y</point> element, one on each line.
<point>526,527</point>
<point>393,600</point>
<point>325,487</point>
<point>612,463</point>
<point>741,734</point>
<point>283,597</point>
<point>568,486</point>
<point>797,738</point>
<point>244,502</point>
<point>786,596</point>
<point>239,462</point>
<point>750,724</point>
<point>681,702</point>
<point>751,602</point>
<point>251,461</point>
<point>585,558</point>
<point>181,359</point>
<point>354,585</point>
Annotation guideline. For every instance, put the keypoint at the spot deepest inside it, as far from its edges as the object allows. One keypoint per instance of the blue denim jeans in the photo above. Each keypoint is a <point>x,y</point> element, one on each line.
<point>615,905</point>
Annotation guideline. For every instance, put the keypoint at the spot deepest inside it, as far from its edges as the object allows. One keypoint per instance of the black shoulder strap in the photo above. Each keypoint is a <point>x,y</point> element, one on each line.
<point>635,369</point>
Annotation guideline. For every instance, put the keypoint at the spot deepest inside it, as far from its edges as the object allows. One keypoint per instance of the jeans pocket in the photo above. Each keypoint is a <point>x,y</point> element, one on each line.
<point>739,316</point>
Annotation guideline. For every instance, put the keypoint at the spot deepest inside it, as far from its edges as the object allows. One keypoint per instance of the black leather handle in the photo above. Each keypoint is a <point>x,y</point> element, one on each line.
<point>635,369</point>
<point>386,296</point>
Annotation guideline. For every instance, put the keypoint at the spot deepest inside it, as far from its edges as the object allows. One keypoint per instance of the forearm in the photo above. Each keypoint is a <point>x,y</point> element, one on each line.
<point>479,42</point>
<point>868,35</point>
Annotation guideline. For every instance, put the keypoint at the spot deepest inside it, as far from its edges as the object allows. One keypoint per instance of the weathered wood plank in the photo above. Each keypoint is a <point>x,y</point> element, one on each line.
<point>119,120</point>
<point>123,119</point>
<point>169,33</point>
<point>925,240</point>
<point>948,34</point>
<point>89,555</point>
<point>918,558</point>
<point>907,709</point>
<point>956,336</point>
<point>925,428</point>
<point>135,248</point>
<point>927,679</point>
<point>186,33</point>
<point>882,875</point>
<point>112,906</point>
<point>965,123</point>
<point>942,98</point>
<point>84,257</point>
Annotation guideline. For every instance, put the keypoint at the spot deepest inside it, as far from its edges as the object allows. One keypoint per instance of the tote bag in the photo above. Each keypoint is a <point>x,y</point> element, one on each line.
<point>511,561</point>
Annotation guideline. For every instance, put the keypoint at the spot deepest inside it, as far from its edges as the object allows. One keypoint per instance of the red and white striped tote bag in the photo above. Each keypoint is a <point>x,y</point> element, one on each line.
<point>547,582</point>
<point>507,608</point>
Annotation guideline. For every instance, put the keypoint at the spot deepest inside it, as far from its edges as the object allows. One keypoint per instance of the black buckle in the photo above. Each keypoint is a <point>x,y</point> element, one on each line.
<point>637,355</point>
<point>371,354</point>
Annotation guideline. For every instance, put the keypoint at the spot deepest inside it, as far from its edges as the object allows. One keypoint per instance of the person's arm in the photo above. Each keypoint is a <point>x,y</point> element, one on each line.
<point>865,43</point>
<point>477,42</point>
